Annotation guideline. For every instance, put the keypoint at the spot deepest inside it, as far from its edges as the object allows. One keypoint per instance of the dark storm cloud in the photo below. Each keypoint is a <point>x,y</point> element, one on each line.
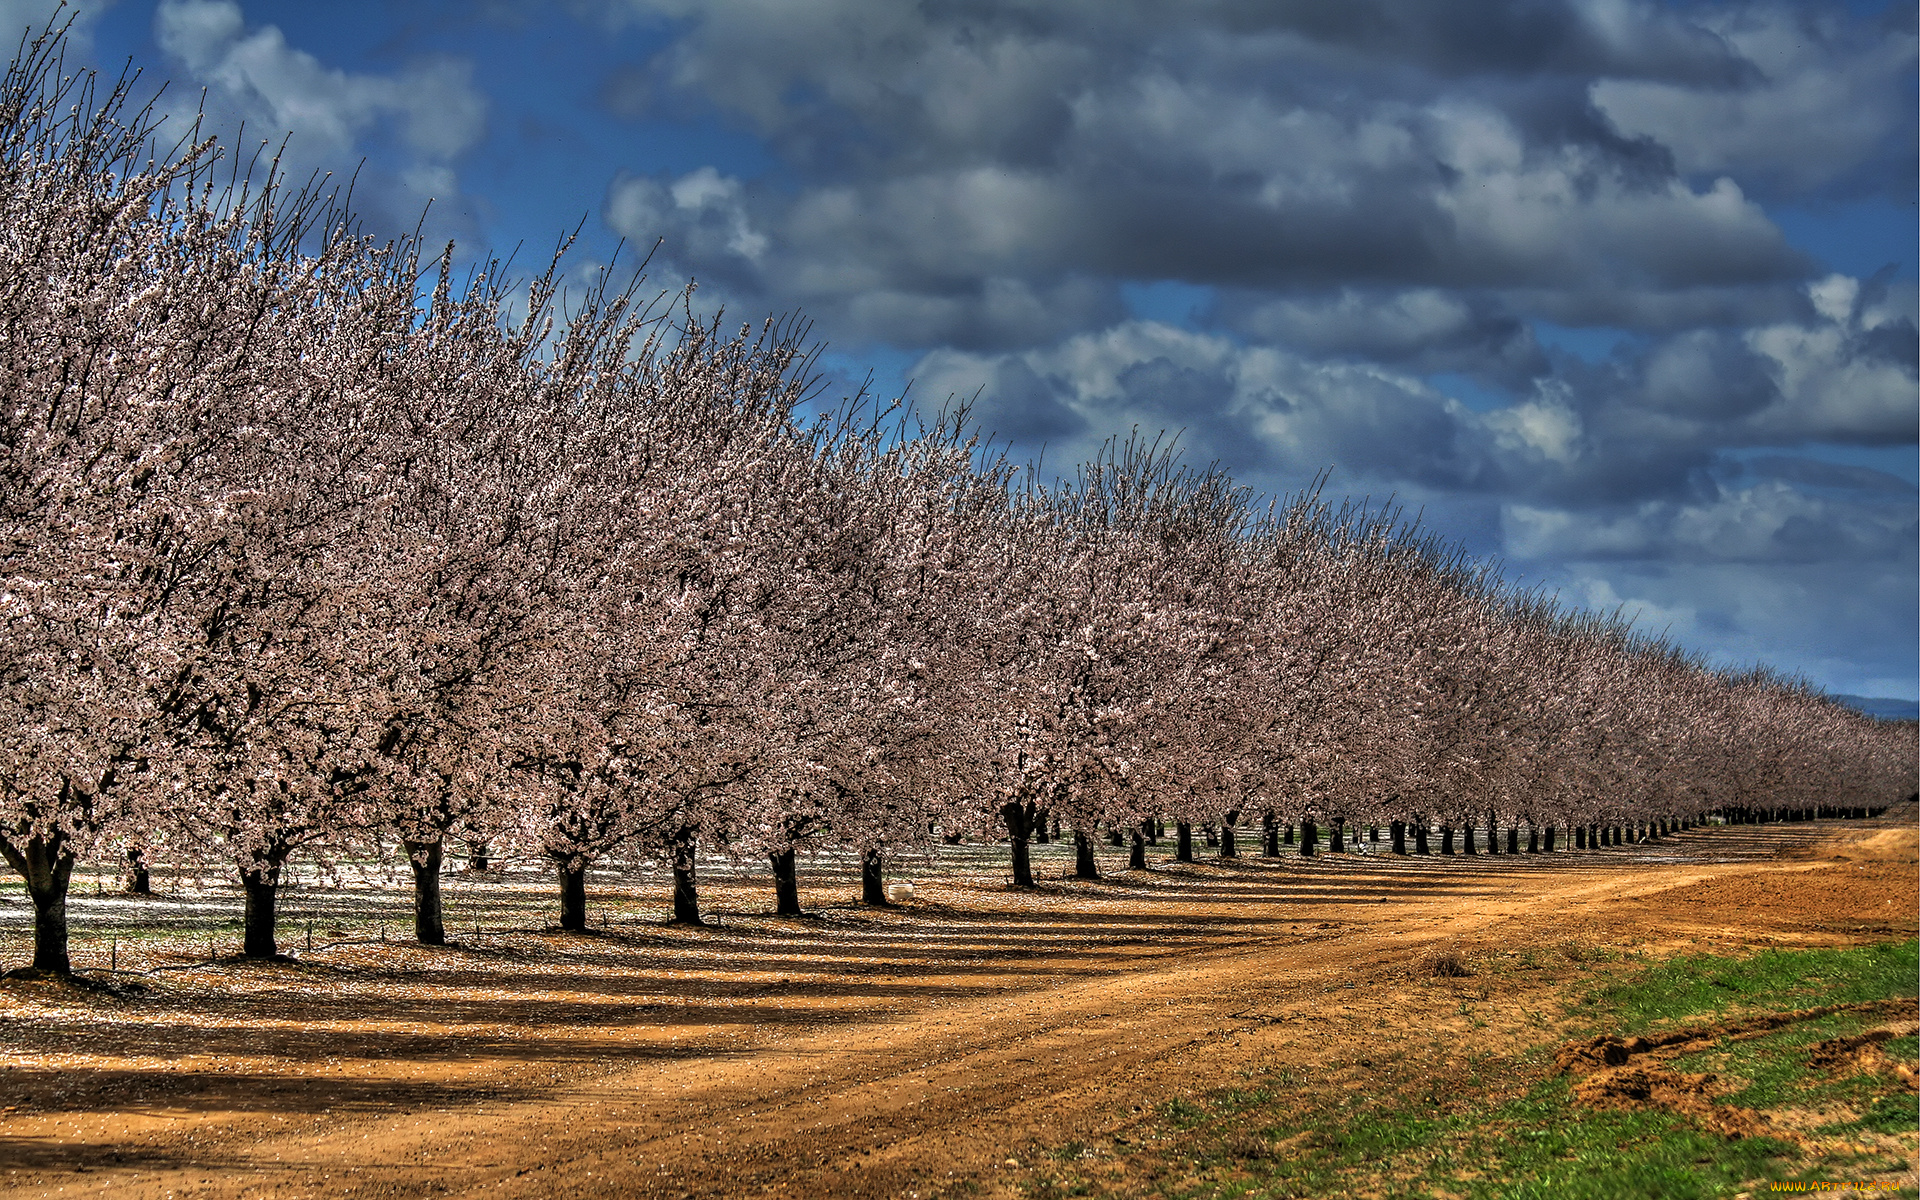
<point>937,147</point>
<point>1423,331</point>
<point>1384,202</point>
<point>1661,309</point>
<point>1518,37</point>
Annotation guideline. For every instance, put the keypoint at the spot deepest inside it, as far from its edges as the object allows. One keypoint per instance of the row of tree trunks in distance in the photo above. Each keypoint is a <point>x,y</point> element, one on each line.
<point>47,867</point>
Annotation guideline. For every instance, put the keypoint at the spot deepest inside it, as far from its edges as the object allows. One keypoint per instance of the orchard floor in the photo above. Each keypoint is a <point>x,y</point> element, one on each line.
<point>931,1049</point>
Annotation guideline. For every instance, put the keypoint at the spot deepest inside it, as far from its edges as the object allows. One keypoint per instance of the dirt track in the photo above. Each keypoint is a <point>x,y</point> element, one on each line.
<point>903,1053</point>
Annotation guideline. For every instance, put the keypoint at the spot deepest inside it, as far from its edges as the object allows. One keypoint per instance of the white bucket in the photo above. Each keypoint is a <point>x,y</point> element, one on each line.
<point>899,893</point>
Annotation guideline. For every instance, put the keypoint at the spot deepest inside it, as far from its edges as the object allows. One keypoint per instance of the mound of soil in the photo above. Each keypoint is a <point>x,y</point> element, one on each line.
<point>1598,1053</point>
<point>1861,1055</point>
<point>1635,1088</point>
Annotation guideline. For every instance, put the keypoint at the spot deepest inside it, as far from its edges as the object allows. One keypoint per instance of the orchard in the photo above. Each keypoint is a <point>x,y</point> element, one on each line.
<point>317,551</point>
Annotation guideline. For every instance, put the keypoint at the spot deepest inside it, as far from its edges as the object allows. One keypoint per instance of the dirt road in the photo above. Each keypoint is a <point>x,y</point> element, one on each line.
<point>928,1050</point>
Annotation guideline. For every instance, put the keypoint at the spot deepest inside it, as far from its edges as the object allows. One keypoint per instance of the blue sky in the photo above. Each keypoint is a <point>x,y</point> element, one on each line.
<point>1622,293</point>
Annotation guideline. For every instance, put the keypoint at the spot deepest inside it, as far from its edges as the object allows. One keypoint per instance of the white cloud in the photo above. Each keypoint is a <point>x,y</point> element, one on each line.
<point>1826,99</point>
<point>1527,216</point>
<point>1274,417</point>
<point>1546,429</point>
<point>439,112</point>
<point>1829,389</point>
<point>1834,297</point>
<point>430,108</point>
<point>1770,522</point>
<point>703,215</point>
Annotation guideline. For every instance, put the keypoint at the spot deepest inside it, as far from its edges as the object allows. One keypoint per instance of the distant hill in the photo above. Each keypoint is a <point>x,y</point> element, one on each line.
<point>1881,706</point>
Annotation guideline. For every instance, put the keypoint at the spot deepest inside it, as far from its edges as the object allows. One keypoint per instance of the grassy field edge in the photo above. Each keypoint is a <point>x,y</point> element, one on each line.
<point>1702,1075</point>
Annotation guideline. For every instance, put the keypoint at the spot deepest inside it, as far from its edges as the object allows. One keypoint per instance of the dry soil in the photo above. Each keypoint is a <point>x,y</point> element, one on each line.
<point>925,1050</point>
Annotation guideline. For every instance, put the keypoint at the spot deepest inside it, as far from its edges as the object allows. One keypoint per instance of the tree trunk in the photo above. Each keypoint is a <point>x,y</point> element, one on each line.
<point>573,898</point>
<point>1420,836</point>
<point>1183,848</point>
<point>429,925</point>
<point>873,878</point>
<point>1398,832</point>
<point>1446,839</point>
<point>1289,833</point>
<point>1309,836</point>
<point>1533,840</point>
<point>1513,841</point>
<point>139,879</point>
<point>1137,855</point>
<point>786,884</point>
<point>1339,835</point>
<point>1228,847</point>
<point>1084,867</point>
<point>1466,839</point>
<point>686,885</point>
<point>263,894</point>
<point>1019,818</point>
<point>1547,843</point>
<point>1579,837</point>
<point>1040,828</point>
<point>1207,835</point>
<point>1373,835</point>
<point>1270,836</point>
<point>1115,838</point>
<point>479,858</point>
<point>48,868</point>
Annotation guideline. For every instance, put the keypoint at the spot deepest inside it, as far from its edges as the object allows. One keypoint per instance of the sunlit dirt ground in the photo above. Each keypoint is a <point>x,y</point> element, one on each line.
<point>924,1050</point>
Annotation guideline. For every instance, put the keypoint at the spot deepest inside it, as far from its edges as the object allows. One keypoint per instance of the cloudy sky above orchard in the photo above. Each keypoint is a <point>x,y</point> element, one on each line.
<point>1622,293</point>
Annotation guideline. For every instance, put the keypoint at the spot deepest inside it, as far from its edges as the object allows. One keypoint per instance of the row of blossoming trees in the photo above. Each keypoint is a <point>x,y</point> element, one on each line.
<point>314,549</point>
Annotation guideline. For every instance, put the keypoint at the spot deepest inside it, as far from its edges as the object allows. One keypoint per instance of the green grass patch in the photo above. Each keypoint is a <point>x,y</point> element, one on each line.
<point>1770,981</point>
<point>1506,1128</point>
